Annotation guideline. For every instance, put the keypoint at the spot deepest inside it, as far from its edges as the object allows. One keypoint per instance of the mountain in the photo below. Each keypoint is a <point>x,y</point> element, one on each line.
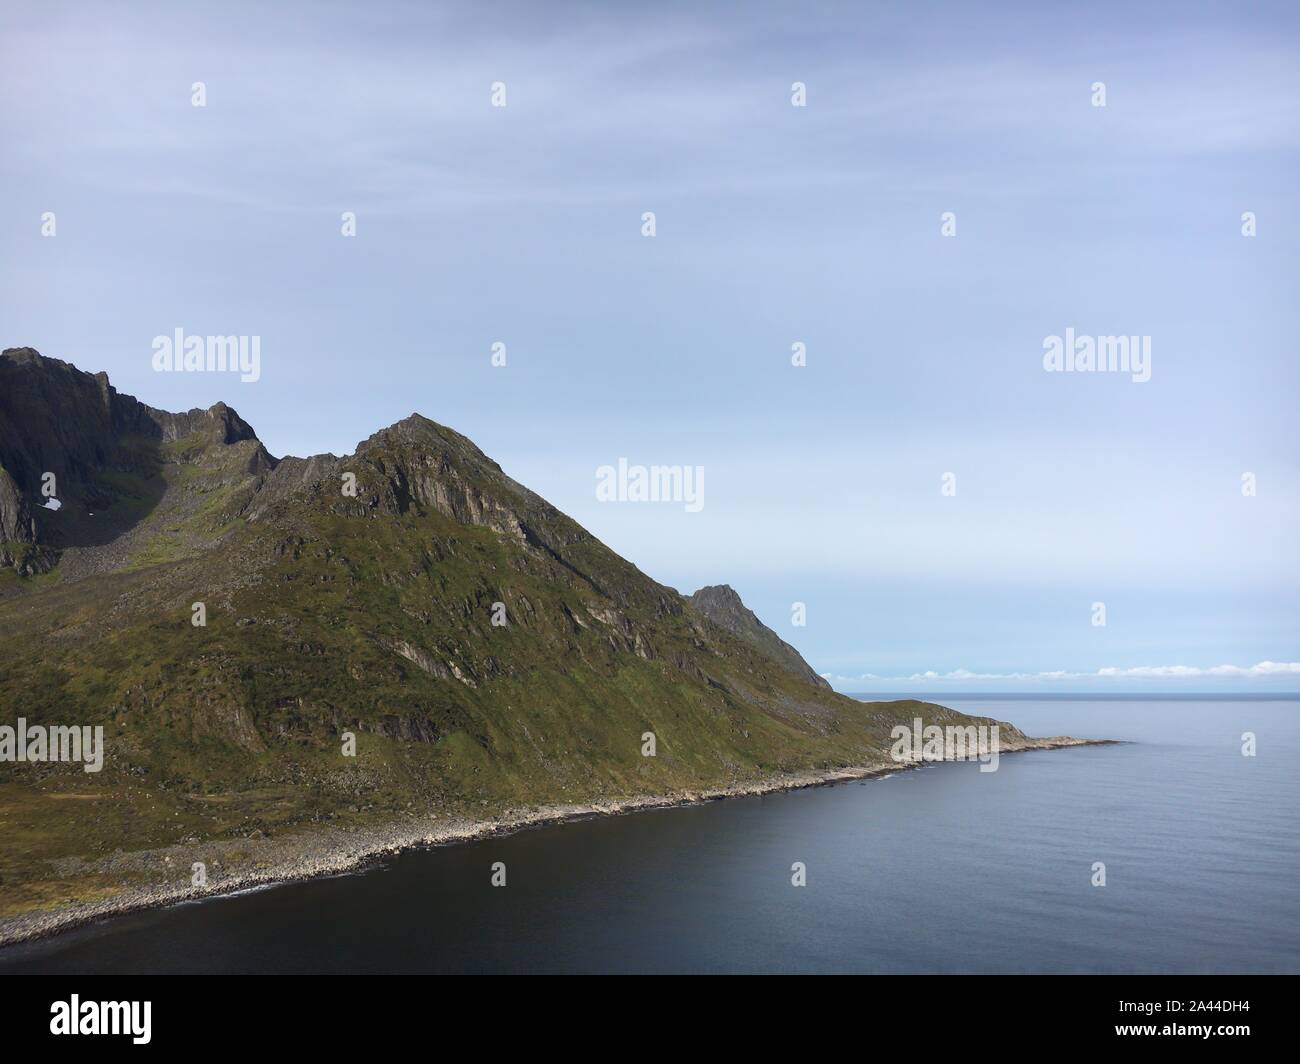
<point>720,604</point>
<point>485,651</point>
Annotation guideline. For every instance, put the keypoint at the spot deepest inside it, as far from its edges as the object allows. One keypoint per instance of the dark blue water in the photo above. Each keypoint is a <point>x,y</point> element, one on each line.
<point>945,869</point>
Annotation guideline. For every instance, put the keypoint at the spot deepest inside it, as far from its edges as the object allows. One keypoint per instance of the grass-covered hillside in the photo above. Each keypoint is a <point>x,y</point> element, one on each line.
<point>330,613</point>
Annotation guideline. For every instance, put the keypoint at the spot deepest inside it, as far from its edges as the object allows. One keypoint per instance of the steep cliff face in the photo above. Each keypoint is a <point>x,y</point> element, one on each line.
<point>15,518</point>
<point>72,448</point>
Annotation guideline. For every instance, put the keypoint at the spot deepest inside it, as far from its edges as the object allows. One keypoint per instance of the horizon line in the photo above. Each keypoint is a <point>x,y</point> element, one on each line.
<point>1084,696</point>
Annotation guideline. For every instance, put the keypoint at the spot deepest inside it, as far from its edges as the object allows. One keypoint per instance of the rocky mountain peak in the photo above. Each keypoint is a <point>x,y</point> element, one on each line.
<point>723,606</point>
<point>719,596</point>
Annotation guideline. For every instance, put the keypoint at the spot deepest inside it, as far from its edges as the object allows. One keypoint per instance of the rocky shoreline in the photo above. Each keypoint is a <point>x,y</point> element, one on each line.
<point>333,851</point>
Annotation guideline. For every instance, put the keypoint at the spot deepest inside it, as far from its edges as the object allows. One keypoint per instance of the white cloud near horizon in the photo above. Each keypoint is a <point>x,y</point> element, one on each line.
<point>1260,669</point>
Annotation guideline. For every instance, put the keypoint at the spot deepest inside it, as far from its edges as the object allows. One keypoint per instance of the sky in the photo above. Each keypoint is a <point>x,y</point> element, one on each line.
<point>950,196</point>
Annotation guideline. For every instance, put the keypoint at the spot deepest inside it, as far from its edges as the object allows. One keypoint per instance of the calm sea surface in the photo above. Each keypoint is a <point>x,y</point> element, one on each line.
<point>944,869</point>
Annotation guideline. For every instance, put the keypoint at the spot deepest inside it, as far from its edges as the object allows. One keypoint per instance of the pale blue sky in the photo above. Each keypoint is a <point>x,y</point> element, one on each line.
<point>776,224</point>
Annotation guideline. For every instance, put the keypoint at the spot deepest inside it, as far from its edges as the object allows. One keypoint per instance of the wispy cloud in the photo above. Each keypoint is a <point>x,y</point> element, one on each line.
<point>617,109</point>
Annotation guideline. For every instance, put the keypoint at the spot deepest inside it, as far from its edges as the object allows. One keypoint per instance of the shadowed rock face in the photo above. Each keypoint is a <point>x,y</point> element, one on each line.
<point>15,519</point>
<point>723,607</point>
<point>57,419</point>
